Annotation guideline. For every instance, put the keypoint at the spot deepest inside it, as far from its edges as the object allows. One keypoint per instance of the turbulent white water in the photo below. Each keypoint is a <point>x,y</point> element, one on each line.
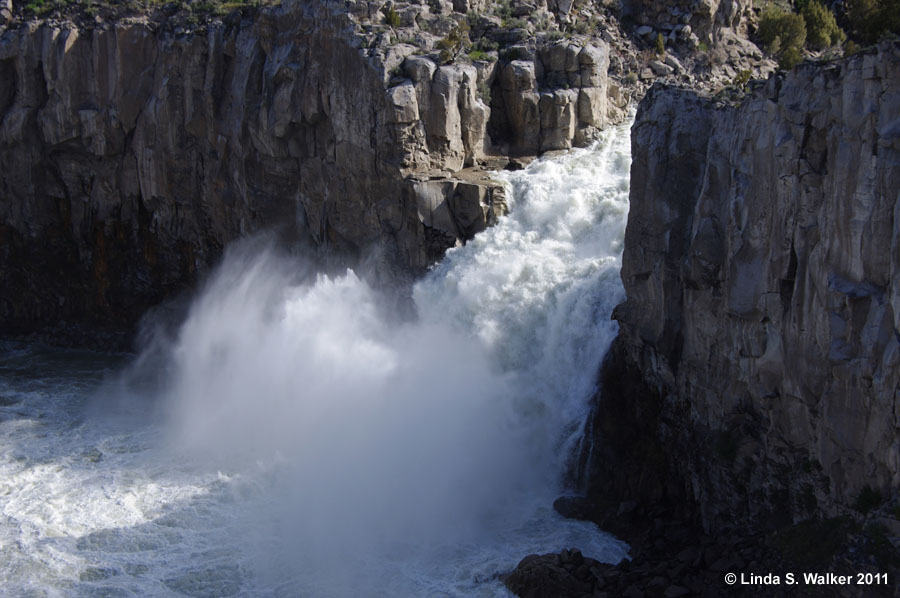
<point>304,442</point>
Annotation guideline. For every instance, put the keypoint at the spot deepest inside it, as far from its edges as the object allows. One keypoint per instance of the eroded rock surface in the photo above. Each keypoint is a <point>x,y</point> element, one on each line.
<point>135,146</point>
<point>700,20</point>
<point>762,275</point>
<point>130,155</point>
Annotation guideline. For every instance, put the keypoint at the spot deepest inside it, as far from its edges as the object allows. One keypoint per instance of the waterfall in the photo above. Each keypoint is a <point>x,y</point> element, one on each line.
<point>309,442</point>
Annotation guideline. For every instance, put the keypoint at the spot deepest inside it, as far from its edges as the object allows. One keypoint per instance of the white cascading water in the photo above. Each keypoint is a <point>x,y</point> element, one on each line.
<point>305,442</point>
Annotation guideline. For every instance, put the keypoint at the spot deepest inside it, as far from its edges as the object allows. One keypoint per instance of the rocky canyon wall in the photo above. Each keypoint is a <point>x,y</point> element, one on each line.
<point>131,153</point>
<point>129,157</point>
<point>761,329</point>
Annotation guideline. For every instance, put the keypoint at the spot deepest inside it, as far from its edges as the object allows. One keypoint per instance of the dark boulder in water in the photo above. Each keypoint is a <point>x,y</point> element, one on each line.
<point>563,575</point>
<point>575,507</point>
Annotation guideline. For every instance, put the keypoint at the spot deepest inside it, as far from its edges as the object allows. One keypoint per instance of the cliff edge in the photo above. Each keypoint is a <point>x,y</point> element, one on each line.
<point>134,146</point>
<point>755,381</point>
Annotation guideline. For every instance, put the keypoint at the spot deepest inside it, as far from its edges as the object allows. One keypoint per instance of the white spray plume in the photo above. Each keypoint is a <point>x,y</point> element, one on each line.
<point>389,439</point>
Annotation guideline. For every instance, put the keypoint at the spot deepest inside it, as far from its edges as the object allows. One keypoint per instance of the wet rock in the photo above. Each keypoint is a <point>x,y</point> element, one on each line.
<point>561,575</point>
<point>519,163</point>
<point>574,507</point>
<point>558,120</point>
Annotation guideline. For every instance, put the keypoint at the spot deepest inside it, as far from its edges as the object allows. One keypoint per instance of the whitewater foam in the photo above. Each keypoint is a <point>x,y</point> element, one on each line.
<point>310,444</point>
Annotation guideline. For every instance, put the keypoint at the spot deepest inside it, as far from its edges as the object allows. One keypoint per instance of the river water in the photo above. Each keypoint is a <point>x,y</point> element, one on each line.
<point>297,438</point>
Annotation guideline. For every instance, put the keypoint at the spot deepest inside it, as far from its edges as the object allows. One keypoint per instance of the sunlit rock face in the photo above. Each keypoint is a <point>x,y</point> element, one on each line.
<point>762,275</point>
<point>706,20</point>
<point>132,153</point>
<point>131,156</point>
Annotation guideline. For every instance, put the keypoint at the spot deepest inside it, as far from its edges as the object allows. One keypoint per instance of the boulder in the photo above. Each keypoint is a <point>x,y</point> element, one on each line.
<point>520,98</point>
<point>593,61</point>
<point>593,107</point>
<point>402,99</point>
<point>660,69</point>
<point>568,573</point>
<point>558,118</point>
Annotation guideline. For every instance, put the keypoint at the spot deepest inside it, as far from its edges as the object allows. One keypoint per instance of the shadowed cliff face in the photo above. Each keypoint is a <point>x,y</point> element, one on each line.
<point>130,156</point>
<point>763,293</point>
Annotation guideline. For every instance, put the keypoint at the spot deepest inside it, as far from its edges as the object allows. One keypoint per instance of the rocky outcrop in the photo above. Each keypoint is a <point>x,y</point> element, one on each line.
<point>554,98</point>
<point>456,207</point>
<point>699,20</point>
<point>132,153</point>
<point>762,322</point>
<point>130,156</point>
<point>707,42</point>
<point>568,573</point>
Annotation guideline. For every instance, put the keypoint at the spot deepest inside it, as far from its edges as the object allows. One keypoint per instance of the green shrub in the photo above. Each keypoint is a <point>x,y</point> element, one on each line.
<point>390,16</point>
<point>476,55</point>
<point>542,24</point>
<point>514,53</point>
<point>783,35</point>
<point>741,79</point>
<point>456,42</point>
<point>822,30</point>
<point>872,19</point>
<point>555,36</point>
<point>503,9</point>
<point>790,58</point>
<point>660,45</point>
<point>35,6</point>
<point>514,23</point>
<point>486,45</point>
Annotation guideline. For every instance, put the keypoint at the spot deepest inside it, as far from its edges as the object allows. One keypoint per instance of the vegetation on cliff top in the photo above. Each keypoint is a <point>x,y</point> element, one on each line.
<point>822,30</point>
<point>870,20</point>
<point>785,34</point>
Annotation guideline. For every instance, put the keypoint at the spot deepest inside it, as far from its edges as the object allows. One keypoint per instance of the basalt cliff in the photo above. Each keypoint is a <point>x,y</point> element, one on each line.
<point>755,382</point>
<point>135,146</point>
<point>131,156</point>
